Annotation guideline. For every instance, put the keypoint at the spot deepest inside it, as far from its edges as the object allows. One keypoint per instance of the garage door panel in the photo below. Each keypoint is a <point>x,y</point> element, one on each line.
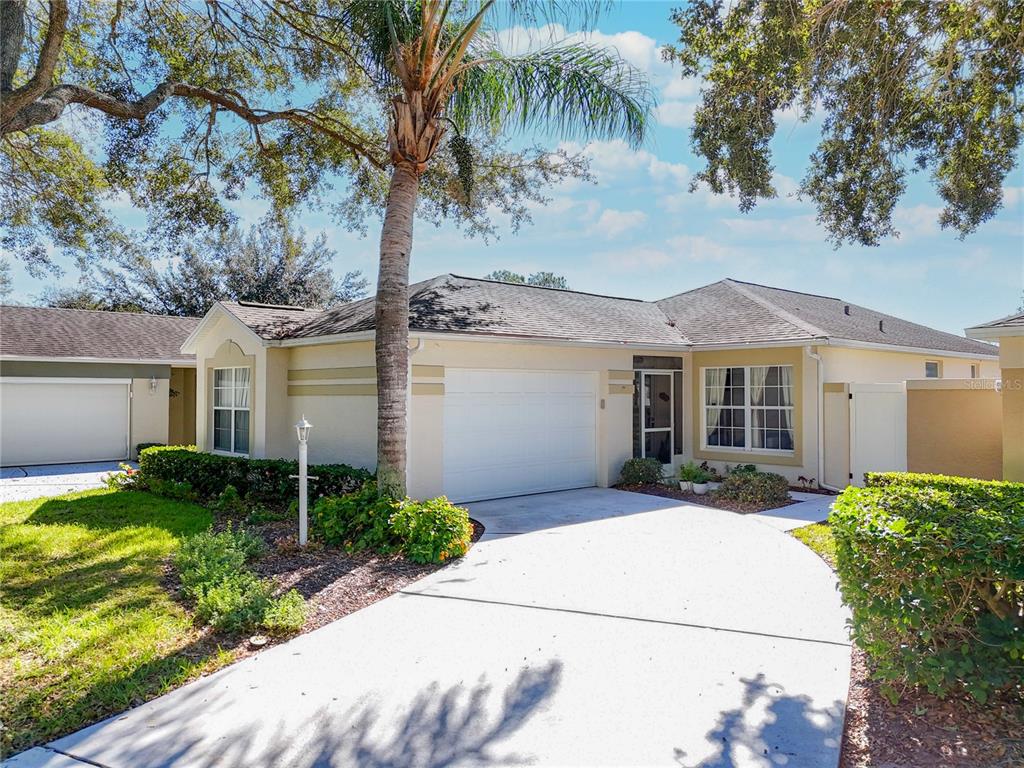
<point>515,432</point>
<point>47,422</point>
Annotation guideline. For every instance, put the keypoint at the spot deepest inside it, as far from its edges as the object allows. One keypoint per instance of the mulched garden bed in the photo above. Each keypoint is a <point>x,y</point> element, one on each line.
<point>707,500</point>
<point>334,582</point>
<point>923,731</point>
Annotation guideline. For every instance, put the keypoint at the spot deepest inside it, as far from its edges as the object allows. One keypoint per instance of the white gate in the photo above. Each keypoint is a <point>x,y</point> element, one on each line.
<point>878,429</point>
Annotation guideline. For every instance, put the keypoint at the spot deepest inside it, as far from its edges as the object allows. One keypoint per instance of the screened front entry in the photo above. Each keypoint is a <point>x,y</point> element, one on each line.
<point>657,408</point>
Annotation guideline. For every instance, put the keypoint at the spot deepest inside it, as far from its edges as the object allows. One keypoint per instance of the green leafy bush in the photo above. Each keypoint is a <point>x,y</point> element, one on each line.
<point>741,468</point>
<point>432,531</point>
<point>356,521</point>
<point>934,577</point>
<point>228,596</point>
<point>208,558</point>
<point>266,481</point>
<point>143,446</point>
<point>641,472</point>
<point>229,502</point>
<point>765,489</point>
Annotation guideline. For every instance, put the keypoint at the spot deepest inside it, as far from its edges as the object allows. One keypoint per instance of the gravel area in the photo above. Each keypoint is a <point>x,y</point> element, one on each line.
<point>706,500</point>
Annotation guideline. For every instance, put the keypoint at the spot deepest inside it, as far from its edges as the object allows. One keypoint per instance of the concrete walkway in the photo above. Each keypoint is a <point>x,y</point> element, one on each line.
<point>811,508</point>
<point>591,627</point>
<point>21,483</point>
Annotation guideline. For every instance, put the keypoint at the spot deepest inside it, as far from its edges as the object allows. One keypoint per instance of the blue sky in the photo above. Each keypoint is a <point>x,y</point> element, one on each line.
<point>638,232</point>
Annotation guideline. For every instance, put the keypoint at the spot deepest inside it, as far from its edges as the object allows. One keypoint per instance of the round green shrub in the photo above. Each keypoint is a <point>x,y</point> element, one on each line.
<point>934,577</point>
<point>432,531</point>
<point>765,489</point>
<point>358,520</point>
<point>641,472</point>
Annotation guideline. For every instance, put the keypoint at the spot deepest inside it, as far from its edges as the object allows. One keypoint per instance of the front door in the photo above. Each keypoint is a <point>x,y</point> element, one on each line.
<point>656,416</point>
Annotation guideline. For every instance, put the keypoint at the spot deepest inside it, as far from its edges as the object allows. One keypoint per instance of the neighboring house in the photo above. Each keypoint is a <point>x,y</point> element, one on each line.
<point>519,389</point>
<point>1009,332</point>
<point>78,385</point>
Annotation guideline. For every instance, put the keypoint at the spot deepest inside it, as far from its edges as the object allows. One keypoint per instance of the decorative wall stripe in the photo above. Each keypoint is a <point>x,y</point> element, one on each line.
<point>620,375</point>
<point>355,372</point>
<point>295,390</point>
<point>359,372</point>
<point>428,389</point>
<point>428,371</point>
<point>620,389</point>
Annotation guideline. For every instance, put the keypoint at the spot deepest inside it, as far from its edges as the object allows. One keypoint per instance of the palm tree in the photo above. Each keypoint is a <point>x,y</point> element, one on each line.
<point>440,62</point>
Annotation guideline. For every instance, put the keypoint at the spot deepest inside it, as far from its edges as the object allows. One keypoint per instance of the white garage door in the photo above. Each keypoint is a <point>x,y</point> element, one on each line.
<point>59,422</point>
<point>513,432</point>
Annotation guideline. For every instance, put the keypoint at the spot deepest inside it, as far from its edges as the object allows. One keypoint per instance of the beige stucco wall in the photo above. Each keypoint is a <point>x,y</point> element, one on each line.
<point>228,344</point>
<point>869,366</point>
<point>149,412</point>
<point>1011,358</point>
<point>954,427</point>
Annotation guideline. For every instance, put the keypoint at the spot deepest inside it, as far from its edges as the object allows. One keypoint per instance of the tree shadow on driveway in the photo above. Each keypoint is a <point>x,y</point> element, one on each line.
<point>788,731</point>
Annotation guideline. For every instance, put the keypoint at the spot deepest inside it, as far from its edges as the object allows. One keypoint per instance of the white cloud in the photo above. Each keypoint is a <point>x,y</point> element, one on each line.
<point>613,223</point>
<point>697,248</point>
<point>633,258</point>
<point>917,220</point>
<point>635,47</point>
<point>676,114</point>
<point>799,229</point>
<point>685,88</point>
<point>614,159</point>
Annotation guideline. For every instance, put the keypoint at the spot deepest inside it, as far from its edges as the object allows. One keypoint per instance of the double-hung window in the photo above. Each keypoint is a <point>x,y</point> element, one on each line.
<point>231,410</point>
<point>748,408</point>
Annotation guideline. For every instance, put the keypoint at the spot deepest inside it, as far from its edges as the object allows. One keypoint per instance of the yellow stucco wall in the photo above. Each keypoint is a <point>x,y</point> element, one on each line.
<point>954,427</point>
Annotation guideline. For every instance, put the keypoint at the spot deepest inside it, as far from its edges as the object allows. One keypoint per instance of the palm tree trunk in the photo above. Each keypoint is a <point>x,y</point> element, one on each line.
<point>392,336</point>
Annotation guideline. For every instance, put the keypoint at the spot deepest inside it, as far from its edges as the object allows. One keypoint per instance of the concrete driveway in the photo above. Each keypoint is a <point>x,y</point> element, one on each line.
<point>32,482</point>
<point>590,627</point>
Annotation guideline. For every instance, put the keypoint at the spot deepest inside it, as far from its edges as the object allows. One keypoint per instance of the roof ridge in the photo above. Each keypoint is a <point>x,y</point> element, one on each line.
<point>775,308</point>
<point>691,290</point>
<point>786,290</point>
<point>545,288</point>
<point>998,320</point>
<point>99,311</point>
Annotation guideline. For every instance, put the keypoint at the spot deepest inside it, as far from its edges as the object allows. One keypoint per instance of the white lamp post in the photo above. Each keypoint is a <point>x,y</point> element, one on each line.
<point>302,430</point>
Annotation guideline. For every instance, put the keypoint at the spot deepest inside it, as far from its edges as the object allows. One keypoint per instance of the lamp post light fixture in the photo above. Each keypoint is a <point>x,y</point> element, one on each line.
<point>302,430</point>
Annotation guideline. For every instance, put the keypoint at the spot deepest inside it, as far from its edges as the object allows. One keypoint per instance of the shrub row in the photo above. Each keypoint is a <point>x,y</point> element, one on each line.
<point>267,481</point>
<point>429,531</point>
<point>932,568</point>
<point>752,487</point>
<point>228,596</point>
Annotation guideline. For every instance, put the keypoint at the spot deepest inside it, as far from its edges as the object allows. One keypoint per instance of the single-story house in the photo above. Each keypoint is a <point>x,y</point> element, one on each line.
<point>1009,332</point>
<point>80,386</point>
<point>519,389</point>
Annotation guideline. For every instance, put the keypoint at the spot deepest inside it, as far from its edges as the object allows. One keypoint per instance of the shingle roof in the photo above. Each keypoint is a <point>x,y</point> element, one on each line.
<point>48,332</point>
<point>471,305</point>
<point>271,321</point>
<point>1010,321</point>
<point>726,312</point>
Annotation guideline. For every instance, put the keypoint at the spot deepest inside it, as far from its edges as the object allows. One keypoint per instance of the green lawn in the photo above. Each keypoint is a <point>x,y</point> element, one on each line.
<point>86,628</point>
<point>819,538</point>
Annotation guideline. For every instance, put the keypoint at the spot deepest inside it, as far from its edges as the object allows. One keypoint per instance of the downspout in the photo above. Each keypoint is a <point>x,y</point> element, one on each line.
<point>408,411</point>
<point>821,417</point>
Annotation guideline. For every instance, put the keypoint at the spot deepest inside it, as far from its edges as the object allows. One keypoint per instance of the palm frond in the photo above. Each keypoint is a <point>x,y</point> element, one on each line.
<point>575,90</point>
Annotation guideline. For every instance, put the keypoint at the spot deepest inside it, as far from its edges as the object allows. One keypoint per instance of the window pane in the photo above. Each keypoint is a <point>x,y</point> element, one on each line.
<point>771,375</point>
<point>736,377</point>
<point>659,401</point>
<point>637,407</point>
<point>677,397</point>
<point>222,398</point>
<point>931,370</point>
<point>242,387</point>
<point>241,431</point>
<point>786,396</point>
<point>222,430</point>
<point>658,445</point>
<point>222,377</point>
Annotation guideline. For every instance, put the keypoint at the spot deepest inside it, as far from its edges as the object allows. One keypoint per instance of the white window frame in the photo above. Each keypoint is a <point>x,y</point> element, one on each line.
<point>938,369</point>
<point>231,409</point>
<point>748,428</point>
<point>671,429</point>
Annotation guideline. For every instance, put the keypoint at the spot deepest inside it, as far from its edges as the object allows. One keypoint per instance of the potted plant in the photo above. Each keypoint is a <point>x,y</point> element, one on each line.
<point>714,477</point>
<point>689,472</point>
<point>700,482</point>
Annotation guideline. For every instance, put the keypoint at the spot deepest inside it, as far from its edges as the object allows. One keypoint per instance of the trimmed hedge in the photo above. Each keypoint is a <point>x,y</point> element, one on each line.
<point>932,568</point>
<point>258,480</point>
<point>753,487</point>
